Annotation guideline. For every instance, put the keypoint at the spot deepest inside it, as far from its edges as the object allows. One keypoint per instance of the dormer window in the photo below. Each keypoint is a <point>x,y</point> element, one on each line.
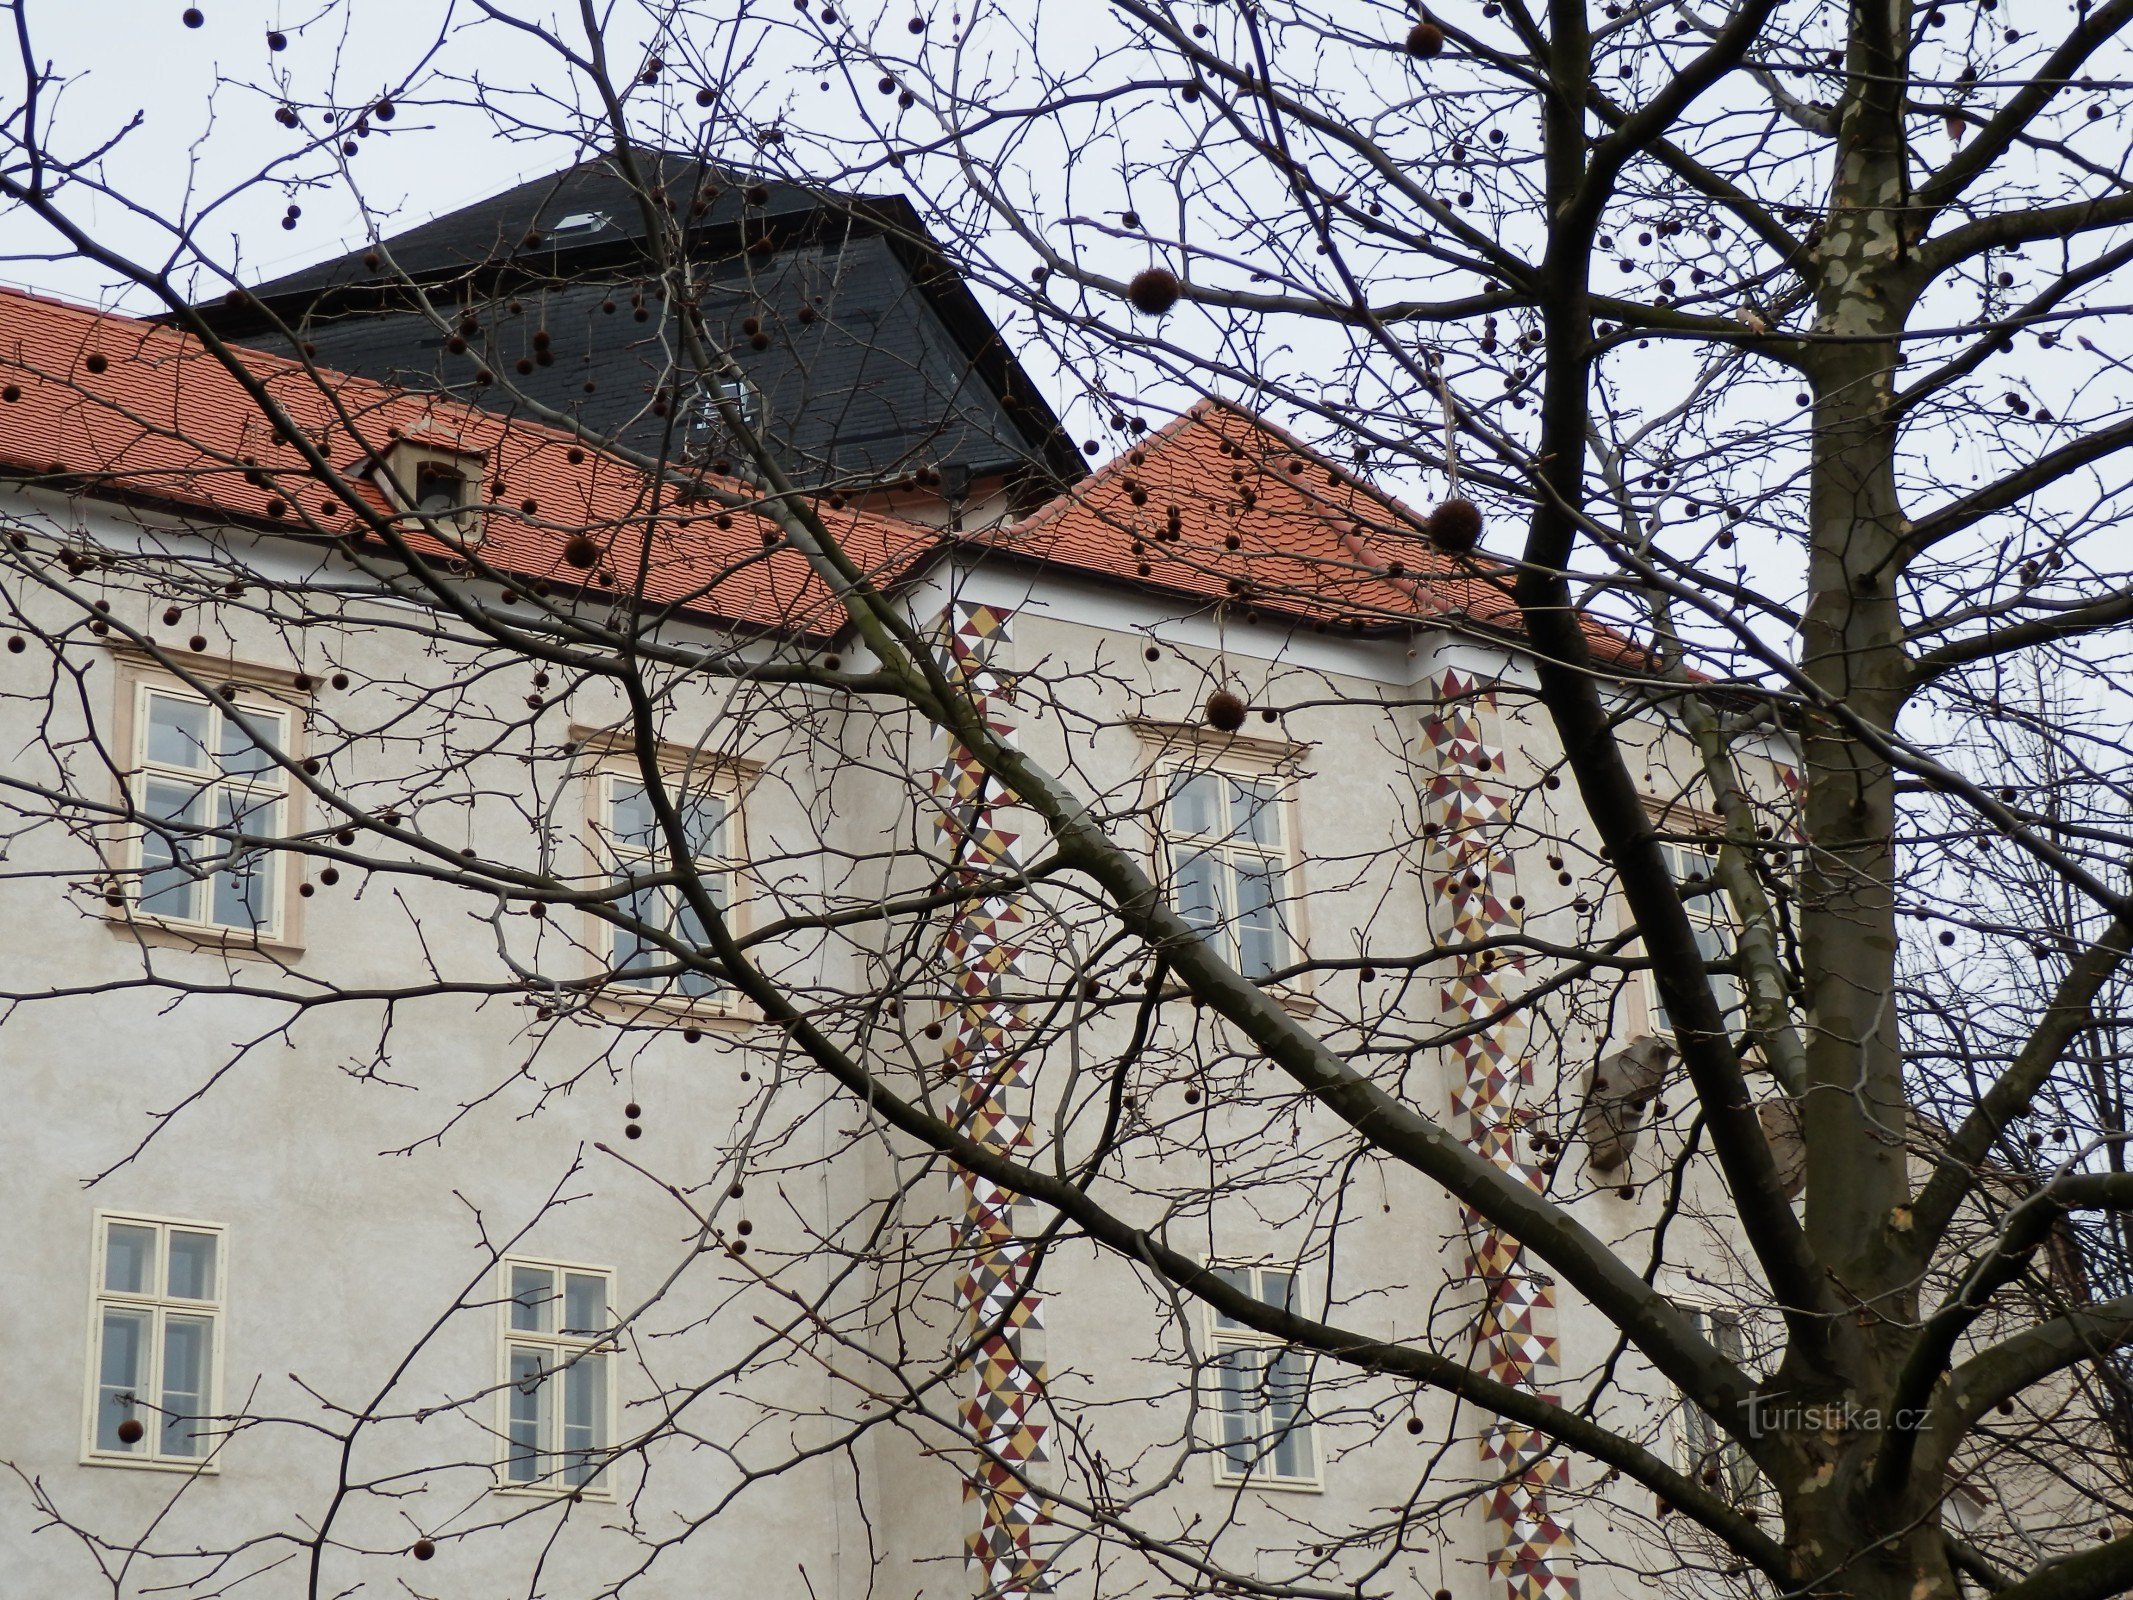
<point>578,224</point>
<point>439,485</point>
<point>440,491</point>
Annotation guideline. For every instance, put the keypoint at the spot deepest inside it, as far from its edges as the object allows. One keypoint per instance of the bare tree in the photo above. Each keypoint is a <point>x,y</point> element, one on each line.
<point>1718,310</point>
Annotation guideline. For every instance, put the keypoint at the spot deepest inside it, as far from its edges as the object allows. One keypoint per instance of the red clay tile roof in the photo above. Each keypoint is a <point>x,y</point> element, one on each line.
<point>109,406</point>
<point>1220,505</point>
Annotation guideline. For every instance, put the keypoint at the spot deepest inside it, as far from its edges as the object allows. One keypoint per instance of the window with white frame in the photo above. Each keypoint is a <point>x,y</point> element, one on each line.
<point>637,848</point>
<point>557,1385</point>
<point>205,763</point>
<point>1261,1390</point>
<point>1694,867</point>
<point>154,1346</point>
<point>1226,838</point>
<point>1709,1454</point>
<point>707,426</point>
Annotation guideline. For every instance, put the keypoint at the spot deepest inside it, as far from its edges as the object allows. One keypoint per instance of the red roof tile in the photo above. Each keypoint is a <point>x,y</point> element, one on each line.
<point>110,406</point>
<point>1220,505</point>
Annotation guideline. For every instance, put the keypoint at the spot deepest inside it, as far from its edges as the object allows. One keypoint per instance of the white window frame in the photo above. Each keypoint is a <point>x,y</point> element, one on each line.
<point>722,781</point>
<point>1228,1340</point>
<point>271,780</point>
<point>1710,915</point>
<point>562,1351</point>
<point>157,1306</point>
<point>1228,850</point>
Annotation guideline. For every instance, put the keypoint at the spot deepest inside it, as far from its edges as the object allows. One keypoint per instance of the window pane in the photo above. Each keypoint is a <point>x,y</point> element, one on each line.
<point>1239,1279</point>
<point>244,891</point>
<point>584,1303</point>
<point>192,1265</point>
<point>1237,1402</point>
<point>1259,941</point>
<point>1278,1289</point>
<point>529,1397</point>
<point>691,927</point>
<point>129,1258</point>
<point>1195,804</point>
<point>630,818</point>
<point>188,1355</point>
<point>243,735</point>
<point>1198,890</point>
<point>1287,1383</point>
<point>167,888</point>
<point>584,1417</point>
<point>533,1299</point>
<point>1253,813</point>
<point>634,951</point>
<point>703,824</point>
<point>120,1376</point>
<point>177,732</point>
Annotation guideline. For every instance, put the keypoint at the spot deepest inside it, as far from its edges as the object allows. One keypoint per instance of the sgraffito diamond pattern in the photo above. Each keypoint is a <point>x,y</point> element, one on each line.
<point>982,955</point>
<point>1470,873</point>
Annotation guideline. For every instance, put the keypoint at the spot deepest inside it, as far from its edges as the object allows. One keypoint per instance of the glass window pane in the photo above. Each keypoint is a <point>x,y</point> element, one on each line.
<point>122,1358</point>
<point>634,951</point>
<point>584,1417</point>
<point>1259,942</point>
<point>533,1299</point>
<point>529,1398</point>
<point>1239,1279</point>
<point>192,1265</point>
<point>129,1258</point>
<point>1237,1403</point>
<point>246,736</point>
<point>630,818</point>
<point>1195,804</point>
<point>1198,888</point>
<point>703,823</point>
<point>584,1303</point>
<point>168,889</point>
<point>244,890</point>
<point>177,732</point>
<point>188,1357</point>
<point>1287,1385</point>
<point>1278,1289</point>
<point>691,927</point>
<point>1256,814</point>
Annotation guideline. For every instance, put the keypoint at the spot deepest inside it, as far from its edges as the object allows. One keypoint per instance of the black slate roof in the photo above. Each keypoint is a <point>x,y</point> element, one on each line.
<point>875,359</point>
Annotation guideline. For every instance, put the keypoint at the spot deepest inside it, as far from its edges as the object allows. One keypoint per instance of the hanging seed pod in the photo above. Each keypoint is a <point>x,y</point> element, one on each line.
<point>633,1111</point>
<point>192,18</point>
<point>581,551</point>
<point>1153,291</point>
<point>1224,711</point>
<point>1455,526</point>
<point>630,1130</point>
<point>422,1549</point>
<point>96,363</point>
<point>130,1431</point>
<point>1425,41</point>
<point>277,40</point>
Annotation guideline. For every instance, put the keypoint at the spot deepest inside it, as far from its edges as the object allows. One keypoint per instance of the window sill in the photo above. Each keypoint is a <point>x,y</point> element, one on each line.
<point>170,934</point>
<point>676,1011</point>
<point>207,1466</point>
<point>603,1493</point>
<point>1224,1480</point>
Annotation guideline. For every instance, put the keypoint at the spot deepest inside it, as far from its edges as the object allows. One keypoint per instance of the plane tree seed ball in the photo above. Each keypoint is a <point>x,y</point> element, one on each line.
<point>1455,526</point>
<point>1225,711</point>
<point>1154,291</point>
<point>1425,40</point>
